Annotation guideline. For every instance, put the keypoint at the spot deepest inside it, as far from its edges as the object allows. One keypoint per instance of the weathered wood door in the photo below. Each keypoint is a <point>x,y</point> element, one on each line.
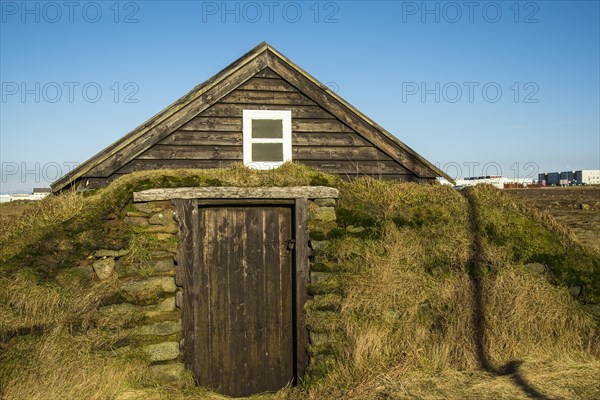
<point>244,329</point>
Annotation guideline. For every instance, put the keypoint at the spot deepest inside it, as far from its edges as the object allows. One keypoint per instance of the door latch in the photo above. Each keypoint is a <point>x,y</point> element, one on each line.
<point>291,244</point>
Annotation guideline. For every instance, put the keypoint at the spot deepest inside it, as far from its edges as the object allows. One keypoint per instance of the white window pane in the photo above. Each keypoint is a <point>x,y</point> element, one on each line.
<point>267,152</point>
<point>267,128</point>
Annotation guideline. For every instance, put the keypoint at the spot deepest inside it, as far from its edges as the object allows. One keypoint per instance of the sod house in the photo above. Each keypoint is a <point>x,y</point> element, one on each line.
<point>235,288</point>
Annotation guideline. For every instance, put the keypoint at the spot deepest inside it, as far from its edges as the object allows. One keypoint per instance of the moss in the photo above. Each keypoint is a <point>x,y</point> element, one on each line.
<point>328,302</point>
<point>328,348</point>
<point>165,316</point>
<point>327,285</point>
<point>321,230</point>
<point>320,366</point>
<point>139,341</point>
<point>528,236</point>
<point>327,266</point>
<point>322,321</point>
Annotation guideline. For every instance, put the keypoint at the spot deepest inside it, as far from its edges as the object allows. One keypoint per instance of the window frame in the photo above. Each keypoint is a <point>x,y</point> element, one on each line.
<point>286,140</point>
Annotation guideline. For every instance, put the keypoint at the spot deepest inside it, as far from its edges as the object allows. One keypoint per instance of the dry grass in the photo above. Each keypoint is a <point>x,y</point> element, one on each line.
<point>409,305</point>
<point>528,318</point>
<point>27,303</point>
<point>407,314</point>
<point>32,223</point>
<point>399,320</point>
<point>550,380</point>
<point>59,365</point>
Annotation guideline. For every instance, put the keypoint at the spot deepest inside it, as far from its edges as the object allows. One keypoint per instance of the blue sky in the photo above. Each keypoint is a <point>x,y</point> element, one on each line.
<point>470,86</point>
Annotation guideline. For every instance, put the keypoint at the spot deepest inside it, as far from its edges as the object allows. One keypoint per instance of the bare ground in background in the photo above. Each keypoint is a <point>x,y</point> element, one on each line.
<point>577,207</point>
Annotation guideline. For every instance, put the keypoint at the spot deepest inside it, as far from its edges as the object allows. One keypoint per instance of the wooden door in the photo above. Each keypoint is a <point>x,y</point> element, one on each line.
<point>243,333</point>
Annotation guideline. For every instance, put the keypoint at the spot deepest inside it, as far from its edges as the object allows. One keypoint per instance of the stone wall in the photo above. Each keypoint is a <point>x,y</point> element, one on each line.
<point>146,306</point>
<point>323,307</point>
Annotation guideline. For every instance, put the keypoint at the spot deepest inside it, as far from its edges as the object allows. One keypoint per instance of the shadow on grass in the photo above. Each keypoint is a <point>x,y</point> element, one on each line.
<point>475,263</point>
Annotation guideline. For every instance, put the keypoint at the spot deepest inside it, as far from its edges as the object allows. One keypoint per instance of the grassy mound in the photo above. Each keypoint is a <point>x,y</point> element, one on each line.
<point>437,300</point>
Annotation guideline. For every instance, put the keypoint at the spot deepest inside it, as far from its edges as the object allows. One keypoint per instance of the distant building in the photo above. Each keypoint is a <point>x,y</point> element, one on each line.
<point>498,181</point>
<point>565,178</point>
<point>36,194</point>
<point>588,177</point>
<point>543,178</point>
<point>549,178</point>
<point>553,179</point>
<point>40,193</point>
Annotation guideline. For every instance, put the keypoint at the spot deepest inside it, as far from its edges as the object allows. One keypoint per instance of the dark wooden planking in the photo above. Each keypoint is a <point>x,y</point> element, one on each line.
<point>168,152</point>
<point>202,315</point>
<point>186,259</point>
<point>255,97</point>
<point>304,153</point>
<point>242,309</point>
<point>234,124</point>
<point>299,153</point>
<point>328,139</point>
<point>248,300</point>
<point>267,73</point>
<point>235,110</point>
<point>375,169</point>
<point>209,304</point>
<point>361,167</point>
<point>319,125</point>
<point>301,276</point>
<point>285,279</point>
<point>423,171</point>
<point>97,182</point>
<point>199,138</point>
<point>213,124</point>
<point>147,165</point>
<point>253,254</point>
<point>268,85</point>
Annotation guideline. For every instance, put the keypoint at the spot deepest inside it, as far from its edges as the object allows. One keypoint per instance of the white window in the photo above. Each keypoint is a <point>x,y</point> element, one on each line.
<point>267,138</point>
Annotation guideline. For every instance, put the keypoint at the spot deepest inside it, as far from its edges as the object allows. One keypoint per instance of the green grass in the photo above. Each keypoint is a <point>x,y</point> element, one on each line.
<point>400,255</point>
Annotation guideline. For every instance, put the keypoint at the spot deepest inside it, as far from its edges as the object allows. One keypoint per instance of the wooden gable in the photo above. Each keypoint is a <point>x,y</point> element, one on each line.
<point>204,129</point>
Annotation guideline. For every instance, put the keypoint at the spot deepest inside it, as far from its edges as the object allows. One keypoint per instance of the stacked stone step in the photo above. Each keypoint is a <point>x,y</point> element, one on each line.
<point>323,309</point>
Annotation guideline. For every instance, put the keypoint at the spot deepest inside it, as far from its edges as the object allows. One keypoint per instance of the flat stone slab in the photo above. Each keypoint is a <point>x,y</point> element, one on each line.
<point>164,284</point>
<point>164,328</point>
<point>292,192</point>
<point>111,253</point>
<point>164,351</point>
<point>165,373</point>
